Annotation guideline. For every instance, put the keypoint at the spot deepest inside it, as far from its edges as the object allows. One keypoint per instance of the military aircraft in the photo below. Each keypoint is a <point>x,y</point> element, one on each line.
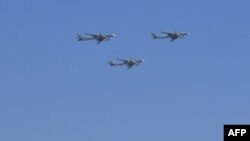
<point>172,35</point>
<point>129,63</point>
<point>98,37</point>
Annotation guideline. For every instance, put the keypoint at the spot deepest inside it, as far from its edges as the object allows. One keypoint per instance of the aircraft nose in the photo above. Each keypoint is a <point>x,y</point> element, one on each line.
<point>113,35</point>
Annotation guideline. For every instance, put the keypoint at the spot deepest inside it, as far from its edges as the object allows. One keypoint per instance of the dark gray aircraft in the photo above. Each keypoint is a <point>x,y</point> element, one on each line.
<point>129,63</point>
<point>98,37</point>
<point>172,35</point>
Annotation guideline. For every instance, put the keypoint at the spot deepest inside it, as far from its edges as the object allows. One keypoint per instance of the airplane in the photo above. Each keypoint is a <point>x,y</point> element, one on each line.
<point>172,35</point>
<point>98,37</point>
<point>129,63</point>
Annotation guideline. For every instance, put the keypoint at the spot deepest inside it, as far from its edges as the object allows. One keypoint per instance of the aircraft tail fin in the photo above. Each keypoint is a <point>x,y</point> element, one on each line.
<point>154,36</point>
<point>111,63</point>
<point>79,37</point>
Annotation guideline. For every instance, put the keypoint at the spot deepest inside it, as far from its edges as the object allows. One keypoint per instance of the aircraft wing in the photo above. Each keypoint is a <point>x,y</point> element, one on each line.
<point>130,66</point>
<point>98,42</point>
<point>172,39</point>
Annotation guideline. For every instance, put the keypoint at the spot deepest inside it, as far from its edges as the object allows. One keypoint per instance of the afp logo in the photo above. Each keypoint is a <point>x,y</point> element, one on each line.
<point>236,132</point>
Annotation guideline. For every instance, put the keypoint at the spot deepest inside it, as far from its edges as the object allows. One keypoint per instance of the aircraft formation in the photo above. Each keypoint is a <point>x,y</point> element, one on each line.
<point>129,62</point>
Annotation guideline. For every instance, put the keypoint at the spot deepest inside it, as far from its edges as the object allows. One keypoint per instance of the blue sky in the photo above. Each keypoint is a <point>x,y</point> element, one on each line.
<point>53,87</point>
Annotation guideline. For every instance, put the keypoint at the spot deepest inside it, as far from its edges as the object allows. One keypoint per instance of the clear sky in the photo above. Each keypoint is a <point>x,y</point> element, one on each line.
<point>54,88</point>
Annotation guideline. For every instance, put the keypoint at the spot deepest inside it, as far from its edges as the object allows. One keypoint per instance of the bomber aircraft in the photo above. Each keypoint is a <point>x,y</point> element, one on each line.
<point>98,37</point>
<point>128,62</point>
<point>172,35</point>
